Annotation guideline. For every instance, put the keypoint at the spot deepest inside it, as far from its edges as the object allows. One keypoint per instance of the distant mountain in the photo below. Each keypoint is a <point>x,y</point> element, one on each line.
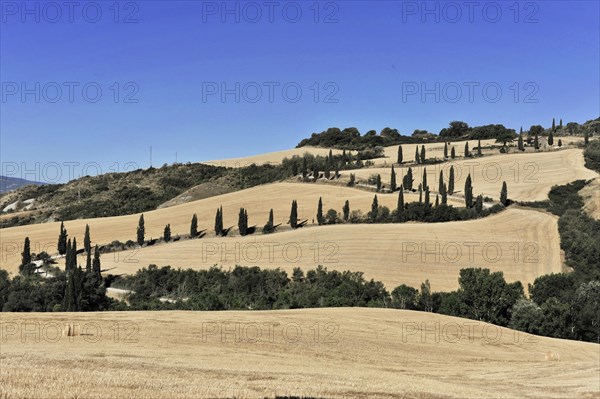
<point>13,183</point>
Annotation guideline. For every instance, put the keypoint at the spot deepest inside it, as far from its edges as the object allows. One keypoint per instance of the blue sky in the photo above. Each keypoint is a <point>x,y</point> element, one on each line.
<point>162,66</point>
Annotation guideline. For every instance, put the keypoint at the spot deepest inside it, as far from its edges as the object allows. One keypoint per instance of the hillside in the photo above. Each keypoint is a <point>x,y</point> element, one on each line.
<point>12,183</point>
<point>257,200</point>
<point>326,353</point>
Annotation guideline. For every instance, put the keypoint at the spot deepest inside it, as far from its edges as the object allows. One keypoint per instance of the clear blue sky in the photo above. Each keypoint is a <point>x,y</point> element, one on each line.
<point>369,57</point>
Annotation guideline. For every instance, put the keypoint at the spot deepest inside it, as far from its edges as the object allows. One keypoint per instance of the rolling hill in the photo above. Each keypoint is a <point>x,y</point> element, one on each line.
<point>325,353</point>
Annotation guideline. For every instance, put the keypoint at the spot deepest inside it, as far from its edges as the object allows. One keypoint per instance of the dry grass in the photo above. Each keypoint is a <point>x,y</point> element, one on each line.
<point>529,176</point>
<point>257,200</point>
<point>270,157</point>
<point>591,198</point>
<point>358,353</point>
<point>521,243</point>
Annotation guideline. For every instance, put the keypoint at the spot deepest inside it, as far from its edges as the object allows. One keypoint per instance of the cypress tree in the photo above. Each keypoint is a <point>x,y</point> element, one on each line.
<point>304,169</point>
<point>167,233</point>
<point>141,231</point>
<point>330,155</point>
<point>320,218</point>
<point>352,180</point>
<point>417,157</point>
<point>553,125</point>
<point>374,208</point>
<point>536,142</point>
<point>315,171</point>
<point>452,153</point>
<point>437,200</point>
<point>441,182</point>
<point>444,194</point>
<point>520,142</point>
<point>243,222</point>
<point>420,194</point>
<point>551,138</point>
<point>451,181</point>
<point>408,179</point>
<point>294,215</point>
<point>87,242</point>
<point>504,194</point>
<point>62,239</point>
<point>346,210</point>
<point>400,207</point>
<point>88,262</point>
<point>96,263</point>
<point>479,204</point>
<point>559,142</point>
<point>425,185</point>
<point>74,254</point>
<point>343,157</point>
<point>327,169</point>
<point>560,126</point>
<point>427,202</point>
<point>337,171</point>
<point>68,255</point>
<point>468,192</point>
<point>194,226</point>
<point>378,182</point>
<point>586,137</point>
<point>467,149</point>
<point>26,254</point>
<point>422,154</point>
<point>219,221</point>
<point>399,154</point>
<point>521,130</point>
<point>445,150</point>
<point>393,180</point>
<point>479,148</point>
<point>271,221</point>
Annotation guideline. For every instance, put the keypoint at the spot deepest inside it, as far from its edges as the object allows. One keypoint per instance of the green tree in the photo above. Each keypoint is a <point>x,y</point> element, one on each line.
<point>444,194</point>
<point>219,221</point>
<point>26,254</point>
<point>560,125</point>
<point>468,192</point>
<point>504,194</point>
<point>294,215</point>
<point>352,180</point>
<point>407,182</point>
<point>87,241</point>
<point>425,299</point>
<point>374,209</point>
<point>141,230</point>
<point>536,130</point>
<point>400,206</point>
<point>417,157</point>
<point>243,222</point>
<point>586,137</point>
<point>451,181</point>
<point>453,153</point>
<point>479,204</point>
<point>422,154</point>
<point>520,145</point>
<point>441,181</point>
<point>346,211</point>
<point>445,150</point>
<point>194,226</point>
<point>479,148</point>
<point>96,263</point>
<point>559,142</point>
<point>404,297</point>
<point>427,200</point>
<point>315,172</point>
<point>536,142</point>
<point>553,125</point>
<point>320,218</point>
<point>393,180</point>
<point>467,154</point>
<point>378,182</point>
<point>399,154</point>
<point>167,233</point>
<point>304,168</point>
<point>551,138</point>
<point>327,171</point>
<point>62,239</point>
<point>424,181</point>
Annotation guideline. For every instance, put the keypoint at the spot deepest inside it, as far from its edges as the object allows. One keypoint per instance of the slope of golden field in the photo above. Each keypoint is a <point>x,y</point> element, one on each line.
<point>327,353</point>
<point>591,198</point>
<point>257,200</point>
<point>270,157</point>
<point>529,176</point>
<point>521,243</point>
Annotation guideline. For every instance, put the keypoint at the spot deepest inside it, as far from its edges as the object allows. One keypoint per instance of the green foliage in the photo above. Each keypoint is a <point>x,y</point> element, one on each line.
<point>167,233</point>
<point>468,192</point>
<point>592,155</point>
<point>320,217</point>
<point>346,211</point>
<point>194,226</point>
<point>141,231</point>
<point>62,239</point>
<point>26,254</point>
<point>294,215</point>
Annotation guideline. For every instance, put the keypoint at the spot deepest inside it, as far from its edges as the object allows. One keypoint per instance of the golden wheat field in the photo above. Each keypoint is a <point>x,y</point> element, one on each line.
<point>271,157</point>
<point>591,198</point>
<point>257,200</point>
<point>529,176</point>
<point>325,353</point>
<point>523,244</point>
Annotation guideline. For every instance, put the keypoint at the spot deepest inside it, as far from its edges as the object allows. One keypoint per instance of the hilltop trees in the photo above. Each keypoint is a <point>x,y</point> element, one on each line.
<point>141,231</point>
<point>504,194</point>
<point>194,226</point>
<point>320,218</point>
<point>219,222</point>
<point>399,154</point>
<point>62,239</point>
<point>294,215</point>
<point>468,192</point>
